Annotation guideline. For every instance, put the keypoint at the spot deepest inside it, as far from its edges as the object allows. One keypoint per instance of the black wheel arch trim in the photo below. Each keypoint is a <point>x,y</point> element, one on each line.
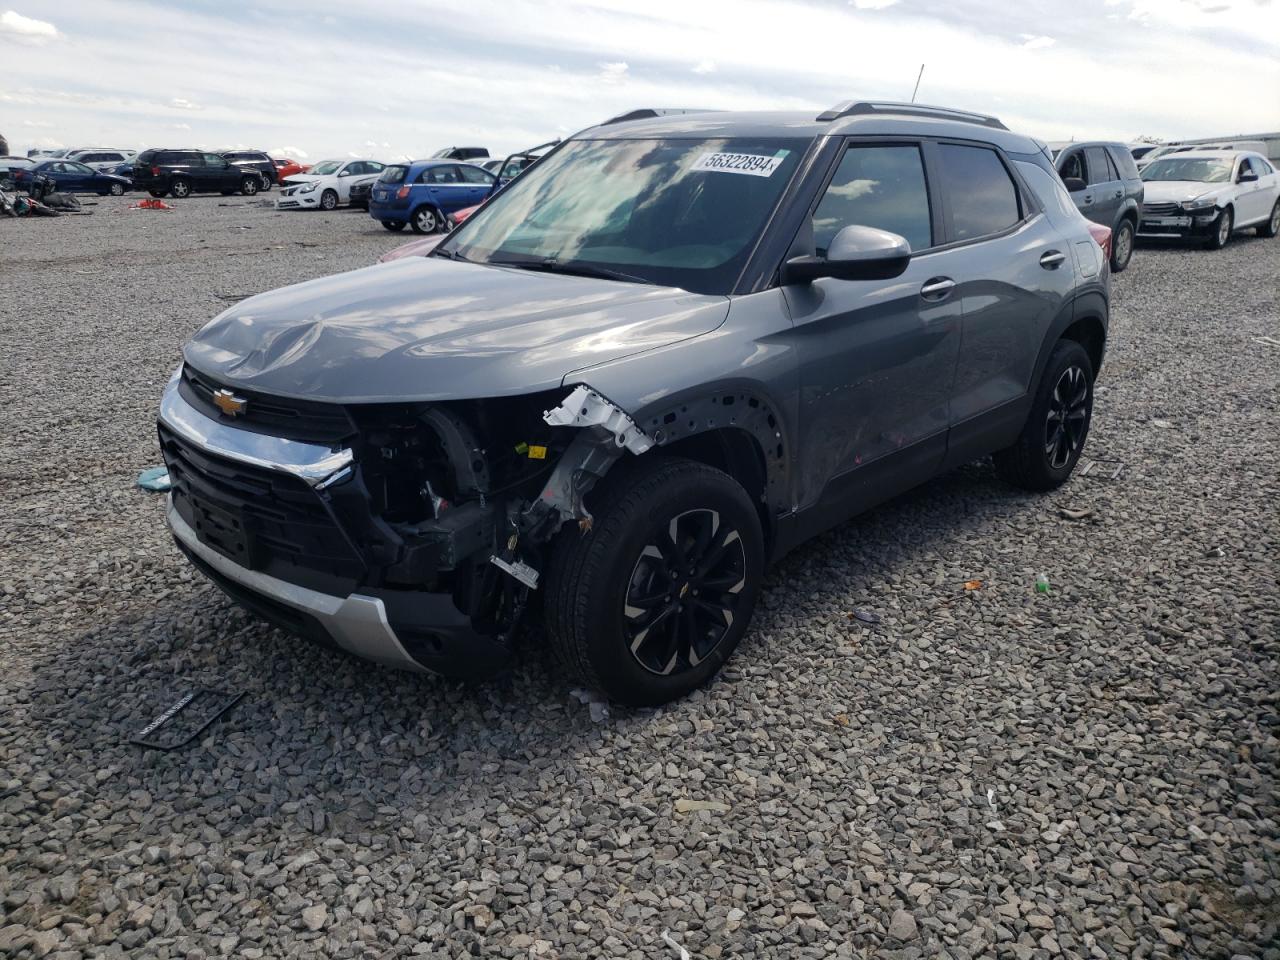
<point>1090,309</point>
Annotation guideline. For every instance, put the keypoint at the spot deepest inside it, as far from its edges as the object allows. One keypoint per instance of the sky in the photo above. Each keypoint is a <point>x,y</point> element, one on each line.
<point>395,80</point>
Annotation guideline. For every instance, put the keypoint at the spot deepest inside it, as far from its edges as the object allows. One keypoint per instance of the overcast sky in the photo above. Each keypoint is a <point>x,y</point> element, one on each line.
<point>389,80</point>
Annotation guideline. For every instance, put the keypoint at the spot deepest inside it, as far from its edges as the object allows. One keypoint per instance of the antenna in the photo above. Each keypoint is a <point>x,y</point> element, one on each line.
<point>917,89</point>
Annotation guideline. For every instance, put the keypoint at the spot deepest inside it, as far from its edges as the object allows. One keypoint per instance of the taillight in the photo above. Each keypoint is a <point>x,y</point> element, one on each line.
<point>1102,237</point>
<point>402,192</point>
<point>155,171</point>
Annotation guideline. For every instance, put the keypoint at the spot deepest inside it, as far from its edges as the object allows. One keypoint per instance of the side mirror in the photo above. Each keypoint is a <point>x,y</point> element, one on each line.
<point>345,173</point>
<point>1247,176</point>
<point>856,253</point>
<point>1074,184</point>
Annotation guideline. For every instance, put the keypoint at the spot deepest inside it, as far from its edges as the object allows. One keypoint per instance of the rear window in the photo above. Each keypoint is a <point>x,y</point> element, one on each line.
<point>984,199</point>
<point>393,174</point>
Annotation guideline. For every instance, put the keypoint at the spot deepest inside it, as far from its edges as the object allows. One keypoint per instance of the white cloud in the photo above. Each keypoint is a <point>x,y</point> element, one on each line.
<point>181,126</point>
<point>705,67</point>
<point>293,153</point>
<point>37,123</point>
<point>182,103</point>
<point>613,72</point>
<point>872,4</point>
<point>14,26</point>
<point>1032,42</point>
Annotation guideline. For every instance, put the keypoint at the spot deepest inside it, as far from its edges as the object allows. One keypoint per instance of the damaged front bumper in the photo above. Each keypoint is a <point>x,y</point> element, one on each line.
<point>294,530</point>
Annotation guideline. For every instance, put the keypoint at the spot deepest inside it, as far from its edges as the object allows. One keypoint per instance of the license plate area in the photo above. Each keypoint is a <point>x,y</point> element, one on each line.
<point>1166,221</point>
<point>222,530</point>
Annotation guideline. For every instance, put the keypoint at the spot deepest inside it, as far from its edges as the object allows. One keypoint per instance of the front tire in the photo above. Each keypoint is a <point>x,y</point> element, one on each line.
<point>117,189</point>
<point>328,200</point>
<point>266,183</point>
<point>250,186</point>
<point>180,189</point>
<point>1220,234</point>
<point>1054,435</point>
<point>649,603</point>
<point>393,225</point>
<point>1122,246</point>
<point>425,220</point>
<point>1272,226</point>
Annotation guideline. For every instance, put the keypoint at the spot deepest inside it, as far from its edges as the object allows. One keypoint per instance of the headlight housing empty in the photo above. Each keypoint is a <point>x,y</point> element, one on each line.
<point>309,187</point>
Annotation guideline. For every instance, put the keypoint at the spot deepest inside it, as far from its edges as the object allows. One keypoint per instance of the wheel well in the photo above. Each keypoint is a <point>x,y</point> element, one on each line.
<point>736,452</point>
<point>1090,334</point>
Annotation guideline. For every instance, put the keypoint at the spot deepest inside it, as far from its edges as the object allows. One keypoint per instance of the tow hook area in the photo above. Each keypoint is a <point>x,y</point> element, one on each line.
<point>607,432</point>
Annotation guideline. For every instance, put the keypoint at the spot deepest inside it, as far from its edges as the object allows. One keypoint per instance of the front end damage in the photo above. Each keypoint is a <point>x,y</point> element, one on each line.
<point>410,534</point>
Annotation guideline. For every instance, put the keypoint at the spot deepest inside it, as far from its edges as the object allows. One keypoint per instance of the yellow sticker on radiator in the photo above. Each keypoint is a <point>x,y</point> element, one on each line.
<point>536,452</point>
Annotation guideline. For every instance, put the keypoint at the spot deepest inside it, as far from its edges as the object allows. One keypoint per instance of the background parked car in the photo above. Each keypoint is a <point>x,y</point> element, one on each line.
<point>287,168</point>
<point>73,177</point>
<point>255,160</point>
<point>102,159</point>
<point>423,193</point>
<point>327,184</point>
<point>19,173</point>
<point>184,172</point>
<point>359,196</point>
<point>460,153</point>
<point>1104,184</point>
<point>1209,195</point>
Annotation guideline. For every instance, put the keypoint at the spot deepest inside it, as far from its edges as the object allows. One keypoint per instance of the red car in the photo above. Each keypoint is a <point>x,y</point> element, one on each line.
<point>287,168</point>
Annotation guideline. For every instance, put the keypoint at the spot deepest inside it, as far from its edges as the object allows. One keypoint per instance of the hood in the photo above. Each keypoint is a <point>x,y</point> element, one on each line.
<point>294,179</point>
<point>414,248</point>
<point>435,329</point>
<point>1177,191</point>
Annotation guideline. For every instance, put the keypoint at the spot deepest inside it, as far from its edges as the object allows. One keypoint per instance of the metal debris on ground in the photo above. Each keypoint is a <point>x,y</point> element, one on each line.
<point>973,584</point>
<point>684,805</point>
<point>187,718</point>
<point>1267,341</point>
<point>865,616</point>
<point>1162,424</point>
<point>1076,513</point>
<point>155,479</point>
<point>1111,470</point>
<point>152,204</point>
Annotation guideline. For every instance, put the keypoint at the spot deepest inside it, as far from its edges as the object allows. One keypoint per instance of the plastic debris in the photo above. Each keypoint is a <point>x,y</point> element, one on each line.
<point>994,823</point>
<point>596,706</point>
<point>150,205</point>
<point>1042,583</point>
<point>670,942</point>
<point>684,805</point>
<point>1268,341</point>
<point>1115,466</point>
<point>865,616</point>
<point>1076,513</point>
<point>1215,552</point>
<point>1162,424</point>
<point>155,479</point>
<point>973,584</point>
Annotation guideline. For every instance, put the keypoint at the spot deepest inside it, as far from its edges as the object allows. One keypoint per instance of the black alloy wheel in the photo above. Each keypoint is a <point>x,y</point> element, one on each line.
<point>1068,418</point>
<point>683,593</point>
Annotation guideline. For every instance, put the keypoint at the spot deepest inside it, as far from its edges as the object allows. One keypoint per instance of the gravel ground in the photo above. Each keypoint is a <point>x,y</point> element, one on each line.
<point>1088,773</point>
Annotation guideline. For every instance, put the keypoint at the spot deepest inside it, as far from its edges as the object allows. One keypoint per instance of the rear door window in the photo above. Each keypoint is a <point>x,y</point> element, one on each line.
<point>981,195</point>
<point>1100,170</point>
<point>876,186</point>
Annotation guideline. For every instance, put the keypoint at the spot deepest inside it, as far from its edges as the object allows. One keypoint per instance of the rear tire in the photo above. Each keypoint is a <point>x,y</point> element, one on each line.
<point>393,225</point>
<point>328,200</point>
<point>157,193</point>
<point>1057,427</point>
<point>266,183</point>
<point>1122,246</point>
<point>1272,226</point>
<point>180,189</point>
<point>1220,234</point>
<point>647,605</point>
<point>425,220</point>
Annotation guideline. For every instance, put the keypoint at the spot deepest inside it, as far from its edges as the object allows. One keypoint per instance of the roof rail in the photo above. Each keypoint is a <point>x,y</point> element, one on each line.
<point>648,113</point>
<point>853,108</point>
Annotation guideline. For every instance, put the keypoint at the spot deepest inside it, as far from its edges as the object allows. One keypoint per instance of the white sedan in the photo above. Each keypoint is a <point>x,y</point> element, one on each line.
<point>327,184</point>
<point>1209,195</point>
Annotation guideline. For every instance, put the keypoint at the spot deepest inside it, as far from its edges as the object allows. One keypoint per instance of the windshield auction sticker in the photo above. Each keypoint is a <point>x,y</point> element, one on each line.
<point>753,165</point>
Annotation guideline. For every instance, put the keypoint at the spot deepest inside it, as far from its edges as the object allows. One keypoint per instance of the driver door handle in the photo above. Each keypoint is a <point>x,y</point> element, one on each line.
<point>937,288</point>
<point>1051,258</point>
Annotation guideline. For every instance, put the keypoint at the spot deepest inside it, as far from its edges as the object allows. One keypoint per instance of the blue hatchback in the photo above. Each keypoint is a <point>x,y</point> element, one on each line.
<point>423,193</point>
<point>73,177</point>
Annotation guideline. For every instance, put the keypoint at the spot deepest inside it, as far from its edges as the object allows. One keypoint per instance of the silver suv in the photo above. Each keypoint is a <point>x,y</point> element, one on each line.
<point>674,349</point>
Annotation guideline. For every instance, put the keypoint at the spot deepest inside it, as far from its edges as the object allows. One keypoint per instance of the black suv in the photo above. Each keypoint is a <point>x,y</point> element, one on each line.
<point>255,160</point>
<point>460,153</point>
<point>184,172</point>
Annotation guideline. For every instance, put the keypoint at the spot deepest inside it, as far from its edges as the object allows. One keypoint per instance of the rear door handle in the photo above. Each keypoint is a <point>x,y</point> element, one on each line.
<point>1051,258</point>
<point>937,288</point>
<point>1088,198</point>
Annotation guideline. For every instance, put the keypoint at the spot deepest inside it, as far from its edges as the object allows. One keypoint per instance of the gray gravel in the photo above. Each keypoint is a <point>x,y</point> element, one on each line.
<point>1088,773</point>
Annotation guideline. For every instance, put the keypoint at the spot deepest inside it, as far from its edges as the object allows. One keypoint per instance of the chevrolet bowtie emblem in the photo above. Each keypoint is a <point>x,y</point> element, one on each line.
<point>229,403</point>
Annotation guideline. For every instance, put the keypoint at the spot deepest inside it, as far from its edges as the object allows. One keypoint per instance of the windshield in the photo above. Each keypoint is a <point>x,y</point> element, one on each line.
<point>679,213</point>
<point>326,166</point>
<point>1188,168</point>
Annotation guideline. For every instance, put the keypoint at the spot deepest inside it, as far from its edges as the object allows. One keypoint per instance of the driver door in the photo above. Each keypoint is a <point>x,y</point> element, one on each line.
<point>1253,198</point>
